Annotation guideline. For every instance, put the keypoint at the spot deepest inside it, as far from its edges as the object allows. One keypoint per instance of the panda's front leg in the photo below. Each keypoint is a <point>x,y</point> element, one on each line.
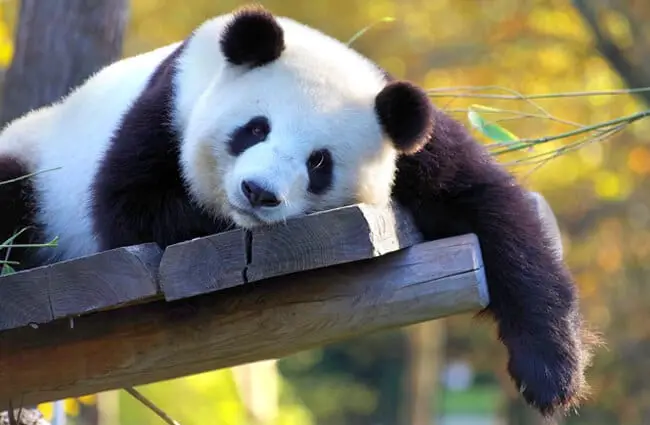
<point>452,187</point>
<point>138,197</point>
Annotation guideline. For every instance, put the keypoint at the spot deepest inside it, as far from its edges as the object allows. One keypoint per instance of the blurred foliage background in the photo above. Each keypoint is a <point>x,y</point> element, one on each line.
<point>453,371</point>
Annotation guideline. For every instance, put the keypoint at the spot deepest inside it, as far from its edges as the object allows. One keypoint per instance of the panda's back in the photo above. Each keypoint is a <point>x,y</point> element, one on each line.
<point>64,142</point>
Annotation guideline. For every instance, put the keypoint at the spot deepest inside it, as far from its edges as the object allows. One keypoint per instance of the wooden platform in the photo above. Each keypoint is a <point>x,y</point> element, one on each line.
<point>138,315</point>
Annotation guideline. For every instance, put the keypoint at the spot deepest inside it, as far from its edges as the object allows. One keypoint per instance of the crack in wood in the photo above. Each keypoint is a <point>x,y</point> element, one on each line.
<point>248,247</point>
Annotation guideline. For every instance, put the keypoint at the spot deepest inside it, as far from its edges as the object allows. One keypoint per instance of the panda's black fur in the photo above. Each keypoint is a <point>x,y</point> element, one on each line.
<point>133,204</point>
<point>16,212</point>
<point>452,186</point>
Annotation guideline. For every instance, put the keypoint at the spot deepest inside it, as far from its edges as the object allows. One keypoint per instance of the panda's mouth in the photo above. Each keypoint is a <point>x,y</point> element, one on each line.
<point>245,217</point>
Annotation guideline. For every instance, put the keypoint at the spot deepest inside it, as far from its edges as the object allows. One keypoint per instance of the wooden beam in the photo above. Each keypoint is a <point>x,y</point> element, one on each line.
<point>323,239</point>
<point>69,288</point>
<point>160,340</point>
<point>130,275</point>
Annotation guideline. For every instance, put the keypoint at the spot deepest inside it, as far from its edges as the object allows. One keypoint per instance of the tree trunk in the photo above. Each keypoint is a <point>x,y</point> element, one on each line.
<point>59,44</point>
<point>631,63</point>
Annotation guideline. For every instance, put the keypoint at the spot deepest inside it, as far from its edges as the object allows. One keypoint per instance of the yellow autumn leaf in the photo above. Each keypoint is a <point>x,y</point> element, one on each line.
<point>47,409</point>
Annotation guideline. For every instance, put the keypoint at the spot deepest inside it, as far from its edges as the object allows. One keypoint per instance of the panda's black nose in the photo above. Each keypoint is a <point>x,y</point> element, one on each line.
<point>258,196</point>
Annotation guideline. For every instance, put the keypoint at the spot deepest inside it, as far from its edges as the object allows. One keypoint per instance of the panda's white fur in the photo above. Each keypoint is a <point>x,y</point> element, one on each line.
<point>317,89</point>
<point>64,142</point>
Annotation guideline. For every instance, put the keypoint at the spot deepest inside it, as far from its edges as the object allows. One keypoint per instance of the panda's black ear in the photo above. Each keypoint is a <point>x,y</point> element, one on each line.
<point>253,37</point>
<point>406,115</point>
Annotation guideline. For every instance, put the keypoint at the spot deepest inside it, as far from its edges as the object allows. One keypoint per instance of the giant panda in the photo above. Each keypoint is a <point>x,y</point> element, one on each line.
<point>254,119</point>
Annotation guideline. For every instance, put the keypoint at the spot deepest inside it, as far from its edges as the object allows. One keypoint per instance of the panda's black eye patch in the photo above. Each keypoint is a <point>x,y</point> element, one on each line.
<point>253,132</point>
<point>320,166</point>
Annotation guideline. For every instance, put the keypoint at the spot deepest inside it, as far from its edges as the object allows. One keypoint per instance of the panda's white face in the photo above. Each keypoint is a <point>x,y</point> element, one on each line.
<point>293,136</point>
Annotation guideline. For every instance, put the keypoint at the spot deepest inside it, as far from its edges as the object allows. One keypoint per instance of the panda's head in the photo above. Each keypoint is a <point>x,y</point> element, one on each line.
<point>293,122</point>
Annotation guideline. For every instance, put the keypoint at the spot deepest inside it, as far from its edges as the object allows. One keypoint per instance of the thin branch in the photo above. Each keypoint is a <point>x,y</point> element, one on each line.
<point>572,147</point>
<point>142,399</point>
<point>26,176</point>
<point>362,31</point>
<point>519,114</point>
<point>533,159</point>
<point>452,92</point>
<point>516,94</point>
<point>51,244</point>
<point>9,241</point>
<point>601,129</point>
<point>527,143</point>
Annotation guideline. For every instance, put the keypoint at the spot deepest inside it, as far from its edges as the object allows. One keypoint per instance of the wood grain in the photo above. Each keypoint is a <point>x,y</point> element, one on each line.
<point>203,265</point>
<point>162,340</point>
<point>105,280</point>
<point>329,238</point>
<point>324,239</point>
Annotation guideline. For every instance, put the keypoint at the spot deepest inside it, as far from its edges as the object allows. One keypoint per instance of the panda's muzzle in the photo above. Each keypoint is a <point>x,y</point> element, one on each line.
<point>257,196</point>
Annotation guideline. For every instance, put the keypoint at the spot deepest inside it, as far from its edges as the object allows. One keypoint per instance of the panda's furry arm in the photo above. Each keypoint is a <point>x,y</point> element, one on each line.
<point>452,186</point>
<point>138,194</point>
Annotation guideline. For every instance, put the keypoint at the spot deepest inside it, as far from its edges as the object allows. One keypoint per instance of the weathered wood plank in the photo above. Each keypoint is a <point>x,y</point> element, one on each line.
<point>329,238</point>
<point>69,288</point>
<point>203,265</point>
<point>324,239</point>
<point>283,315</point>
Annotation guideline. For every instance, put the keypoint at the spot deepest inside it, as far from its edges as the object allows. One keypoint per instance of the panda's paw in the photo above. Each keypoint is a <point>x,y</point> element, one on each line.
<point>549,375</point>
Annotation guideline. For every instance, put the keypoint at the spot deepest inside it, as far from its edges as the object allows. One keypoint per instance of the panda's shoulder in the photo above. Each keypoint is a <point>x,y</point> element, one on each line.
<point>119,83</point>
<point>142,156</point>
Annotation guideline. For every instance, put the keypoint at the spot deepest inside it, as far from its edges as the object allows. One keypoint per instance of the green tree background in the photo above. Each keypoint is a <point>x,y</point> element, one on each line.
<point>599,193</point>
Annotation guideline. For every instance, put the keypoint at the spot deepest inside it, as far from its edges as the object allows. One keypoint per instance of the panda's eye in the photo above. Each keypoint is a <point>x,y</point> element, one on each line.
<point>258,127</point>
<point>255,131</point>
<point>259,130</point>
<point>321,168</point>
<point>316,160</point>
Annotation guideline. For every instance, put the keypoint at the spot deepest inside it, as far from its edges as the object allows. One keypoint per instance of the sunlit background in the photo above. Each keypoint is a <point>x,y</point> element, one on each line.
<point>452,371</point>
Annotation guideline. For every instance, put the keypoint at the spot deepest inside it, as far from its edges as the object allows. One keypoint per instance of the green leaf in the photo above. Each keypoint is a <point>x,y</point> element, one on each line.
<point>491,130</point>
<point>6,269</point>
